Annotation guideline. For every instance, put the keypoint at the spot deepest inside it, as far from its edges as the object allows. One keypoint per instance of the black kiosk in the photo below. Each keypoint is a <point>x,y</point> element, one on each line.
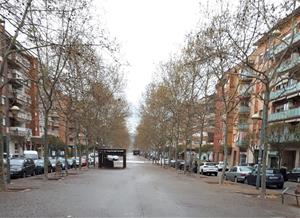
<point>104,162</point>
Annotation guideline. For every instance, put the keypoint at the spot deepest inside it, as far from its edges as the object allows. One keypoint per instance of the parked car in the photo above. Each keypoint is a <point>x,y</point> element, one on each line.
<point>172,163</point>
<point>53,164</point>
<point>273,178</point>
<point>21,167</point>
<point>62,162</point>
<point>112,157</point>
<point>31,154</point>
<point>208,168</point>
<point>294,175</point>
<point>71,163</point>
<point>136,152</point>
<point>180,164</point>
<point>220,166</point>
<point>238,173</point>
<point>39,166</point>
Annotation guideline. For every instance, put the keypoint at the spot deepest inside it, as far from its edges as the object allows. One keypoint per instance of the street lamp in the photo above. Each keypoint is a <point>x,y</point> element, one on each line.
<point>15,110</point>
<point>257,117</point>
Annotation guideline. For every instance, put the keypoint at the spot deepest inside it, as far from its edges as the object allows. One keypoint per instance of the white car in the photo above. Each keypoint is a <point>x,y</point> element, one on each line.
<point>112,157</point>
<point>221,166</point>
<point>208,168</point>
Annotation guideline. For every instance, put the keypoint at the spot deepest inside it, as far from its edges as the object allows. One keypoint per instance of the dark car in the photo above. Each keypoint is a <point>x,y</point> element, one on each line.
<point>273,178</point>
<point>294,175</point>
<point>21,167</point>
<point>53,164</point>
<point>39,166</point>
<point>136,152</point>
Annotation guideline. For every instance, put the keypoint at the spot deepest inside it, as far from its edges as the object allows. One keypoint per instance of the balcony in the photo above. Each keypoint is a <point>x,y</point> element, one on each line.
<point>284,45</point>
<point>243,126</point>
<point>285,138</point>
<point>15,78</point>
<point>289,64</point>
<point>22,115</point>
<point>285,115</point>
<point>244,109</point>
<point>283,92</point>
<point>245,91</point>
<point>22,97</point>
<point>20,131</point>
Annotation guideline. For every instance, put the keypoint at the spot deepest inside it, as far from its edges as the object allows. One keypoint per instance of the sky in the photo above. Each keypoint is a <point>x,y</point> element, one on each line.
<point>148,32</point>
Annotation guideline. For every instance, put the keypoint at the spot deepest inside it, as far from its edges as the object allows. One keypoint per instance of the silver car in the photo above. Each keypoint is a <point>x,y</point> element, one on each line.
<point>238,173</point>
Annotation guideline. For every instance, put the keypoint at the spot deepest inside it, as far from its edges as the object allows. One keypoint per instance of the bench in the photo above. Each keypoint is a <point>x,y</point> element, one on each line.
<point>296,194</point>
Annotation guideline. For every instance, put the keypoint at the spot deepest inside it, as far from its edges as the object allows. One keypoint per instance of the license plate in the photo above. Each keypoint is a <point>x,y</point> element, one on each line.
<point>273,177</point>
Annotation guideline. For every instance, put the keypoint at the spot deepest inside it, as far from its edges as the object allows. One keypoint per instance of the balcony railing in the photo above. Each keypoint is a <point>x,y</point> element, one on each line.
<point>22,97</point>
<point>288,64</point>
<point>287,90</point>
<point>244,109</point>
<point>245,91</point>
<point>284,115</point>
<point>283,45</point>
<point>24,116</point>
<point>20,131</point>
<point>283,138</point>
<point>243,126</point>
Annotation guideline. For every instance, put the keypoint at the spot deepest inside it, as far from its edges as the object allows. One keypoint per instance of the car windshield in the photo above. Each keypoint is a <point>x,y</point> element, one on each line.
<point>272,171</point>
<point>245,168</point>
<point>296,170</point>
<point>16,162</point>
<point>211,164</point>
<point>39,162</point>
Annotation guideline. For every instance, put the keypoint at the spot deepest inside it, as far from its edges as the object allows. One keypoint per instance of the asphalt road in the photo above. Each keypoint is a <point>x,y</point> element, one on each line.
<point>140,190</point>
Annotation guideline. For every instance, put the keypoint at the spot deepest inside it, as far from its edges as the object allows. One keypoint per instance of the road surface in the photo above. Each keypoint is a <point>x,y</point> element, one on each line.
<point>140,190</point>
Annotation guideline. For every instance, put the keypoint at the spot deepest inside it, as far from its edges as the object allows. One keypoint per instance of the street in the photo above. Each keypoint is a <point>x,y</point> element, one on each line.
<point>140,190</point>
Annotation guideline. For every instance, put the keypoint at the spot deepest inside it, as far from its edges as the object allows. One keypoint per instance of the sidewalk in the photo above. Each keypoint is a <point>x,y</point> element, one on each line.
<point>272,194</point>
<point>35,182</point>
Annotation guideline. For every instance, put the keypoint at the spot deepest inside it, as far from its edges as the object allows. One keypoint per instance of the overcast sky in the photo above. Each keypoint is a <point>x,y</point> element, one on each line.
<point>148,31</point>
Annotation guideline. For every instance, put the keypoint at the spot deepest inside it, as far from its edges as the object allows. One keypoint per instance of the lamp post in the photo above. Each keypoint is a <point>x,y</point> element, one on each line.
<point>257,117</point>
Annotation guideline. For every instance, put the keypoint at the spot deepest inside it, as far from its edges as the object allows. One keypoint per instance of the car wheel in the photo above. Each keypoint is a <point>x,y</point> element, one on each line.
<point>202,172</point>
<point>298,179</point>
<point>280,186</point>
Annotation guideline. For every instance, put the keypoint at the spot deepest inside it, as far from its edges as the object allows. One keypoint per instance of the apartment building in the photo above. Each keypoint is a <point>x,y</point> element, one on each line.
<point>208,129</point>
<point>18,98</point>
<point>274,53</point>
<point>284,112</point>
<point>231,91</point>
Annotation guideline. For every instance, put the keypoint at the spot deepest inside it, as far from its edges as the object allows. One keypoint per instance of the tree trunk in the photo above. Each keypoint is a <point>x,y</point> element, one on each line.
<point>46,149</point>
<point>221,179</point>
<point>66,146</point>
<point>200,146</point>
<point>265,141</point>
<point>94,157</point>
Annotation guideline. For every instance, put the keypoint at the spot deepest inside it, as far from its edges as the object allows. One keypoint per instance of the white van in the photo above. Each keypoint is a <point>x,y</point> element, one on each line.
<point>31,154</point>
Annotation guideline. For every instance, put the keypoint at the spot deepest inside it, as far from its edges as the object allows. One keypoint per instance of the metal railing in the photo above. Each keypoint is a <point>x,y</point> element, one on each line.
<point>287,90</point>
<point>284,115</point>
